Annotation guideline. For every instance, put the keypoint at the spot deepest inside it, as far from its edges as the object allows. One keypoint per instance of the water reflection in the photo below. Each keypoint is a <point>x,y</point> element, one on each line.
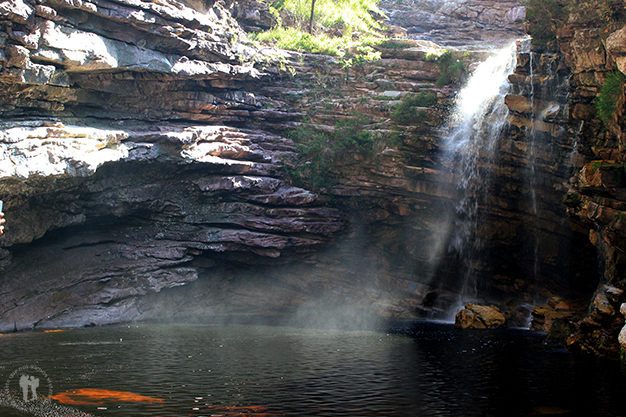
<point>256,370</point>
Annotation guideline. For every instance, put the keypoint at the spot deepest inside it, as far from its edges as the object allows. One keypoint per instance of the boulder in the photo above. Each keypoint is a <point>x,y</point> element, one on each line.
<point>556,310</point>
<point>602,308</point>
<point>622,338</point>
<point>475,316</point>
<point>613,294</point>
<point>622,334</point>
<point>602,174</point>
<point>616,46</point>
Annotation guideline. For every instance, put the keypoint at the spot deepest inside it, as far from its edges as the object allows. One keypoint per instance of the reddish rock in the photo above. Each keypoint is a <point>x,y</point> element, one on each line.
<point>616,47</point>
<point>475,316</point>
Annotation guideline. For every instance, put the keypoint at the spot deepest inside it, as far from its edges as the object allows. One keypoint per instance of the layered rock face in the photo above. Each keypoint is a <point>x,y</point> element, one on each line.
<point>109,165</point>
<point>590,50</point>
<point>461,24</point>
<point>145,173</point>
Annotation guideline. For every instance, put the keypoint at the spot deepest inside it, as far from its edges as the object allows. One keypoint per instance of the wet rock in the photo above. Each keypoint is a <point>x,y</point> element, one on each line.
<point>447,23</point>
<point>519,104</point>
<point>602,309</point>
<point>557,311</point>
<point>602,174</point>
<point>613,294</point>
<point>145,137</point>
<point>475,316</point>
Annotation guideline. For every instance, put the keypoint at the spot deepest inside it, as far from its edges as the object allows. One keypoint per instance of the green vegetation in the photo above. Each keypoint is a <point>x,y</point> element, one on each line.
<point>339,15</point>
<point>321,151</point>
<point>572,199</point>
<point>450,67</point>
<point>340,27</point>
<point>596,165</point>
<point>409,111</point>
<point>611,98</point>
<point>296,40</point>
<point>394,44</point>
<point>543,18</point>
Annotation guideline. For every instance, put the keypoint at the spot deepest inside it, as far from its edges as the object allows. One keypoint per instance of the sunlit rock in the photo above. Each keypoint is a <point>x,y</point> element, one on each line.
<point>475,316</point>
<point>616,46</point>
<point>16,10</point>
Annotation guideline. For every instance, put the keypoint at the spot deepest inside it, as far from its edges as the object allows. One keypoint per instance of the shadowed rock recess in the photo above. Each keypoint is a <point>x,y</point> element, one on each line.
<point>154,164</point>
<point>144,172</point>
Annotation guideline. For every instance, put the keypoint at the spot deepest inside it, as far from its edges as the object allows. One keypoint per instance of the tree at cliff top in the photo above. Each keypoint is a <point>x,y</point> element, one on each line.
<point>331,27</point>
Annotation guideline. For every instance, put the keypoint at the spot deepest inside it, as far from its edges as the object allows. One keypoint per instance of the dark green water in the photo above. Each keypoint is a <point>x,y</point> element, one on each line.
<point>270,371</point>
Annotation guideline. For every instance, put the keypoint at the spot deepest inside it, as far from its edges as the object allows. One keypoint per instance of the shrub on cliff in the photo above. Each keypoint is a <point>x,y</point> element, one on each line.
<point>320,151</point>
<point>611,98</point>
<point>543,18</point>
<point>451,69</point>
<point>411,108</point>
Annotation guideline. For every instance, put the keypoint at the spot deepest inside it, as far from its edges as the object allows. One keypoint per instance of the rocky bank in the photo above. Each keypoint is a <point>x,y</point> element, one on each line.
<point>589,41</point>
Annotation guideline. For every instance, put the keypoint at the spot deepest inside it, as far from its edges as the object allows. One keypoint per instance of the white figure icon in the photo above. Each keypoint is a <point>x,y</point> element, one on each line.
<point>29,383</point>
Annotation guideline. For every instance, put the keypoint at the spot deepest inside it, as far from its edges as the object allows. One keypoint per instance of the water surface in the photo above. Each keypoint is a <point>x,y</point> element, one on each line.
<point>201,370</point>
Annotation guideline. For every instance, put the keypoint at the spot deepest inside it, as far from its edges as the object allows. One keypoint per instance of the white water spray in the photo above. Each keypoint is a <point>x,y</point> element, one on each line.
<point>479,116</point>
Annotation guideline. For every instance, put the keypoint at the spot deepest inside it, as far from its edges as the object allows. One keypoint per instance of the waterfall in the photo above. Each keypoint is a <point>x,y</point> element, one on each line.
<point>532,180</point>
<point>475,126</point>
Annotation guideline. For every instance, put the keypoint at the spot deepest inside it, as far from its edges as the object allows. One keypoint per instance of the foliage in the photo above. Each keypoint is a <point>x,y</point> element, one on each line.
<point>320,151</point>
<point>543,18</point>
<point>297,40</point>
<point>612,14</point>
<point>315,149</point>
<point>449,67</point>
<point>336,24</point>
<point>394,44</point>
<point>611,98</point>
<point>572,199</point>
<point>409,110</point>
<point>342,15</point>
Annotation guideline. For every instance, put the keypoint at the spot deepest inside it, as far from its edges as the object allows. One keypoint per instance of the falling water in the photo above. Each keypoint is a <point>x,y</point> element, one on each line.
<point>532,163</point>
<point>479,117</point>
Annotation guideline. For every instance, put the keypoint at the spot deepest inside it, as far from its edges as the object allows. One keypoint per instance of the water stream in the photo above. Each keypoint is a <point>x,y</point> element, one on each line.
<point>479,116</point>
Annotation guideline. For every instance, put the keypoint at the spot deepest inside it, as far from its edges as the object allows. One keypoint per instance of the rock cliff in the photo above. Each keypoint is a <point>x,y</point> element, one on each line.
<point>130,149</point>
<point>154,165</point>
<point>464,24</point>
<point>145,172</point>
<point>586,42</point>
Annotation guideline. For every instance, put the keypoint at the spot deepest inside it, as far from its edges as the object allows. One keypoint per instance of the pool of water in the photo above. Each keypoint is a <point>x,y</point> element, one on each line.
<point>201,370</point>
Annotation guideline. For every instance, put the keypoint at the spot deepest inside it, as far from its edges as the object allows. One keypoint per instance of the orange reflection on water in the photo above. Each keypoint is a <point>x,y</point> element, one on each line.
<point>88,396</point>
<point>53,331</point>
